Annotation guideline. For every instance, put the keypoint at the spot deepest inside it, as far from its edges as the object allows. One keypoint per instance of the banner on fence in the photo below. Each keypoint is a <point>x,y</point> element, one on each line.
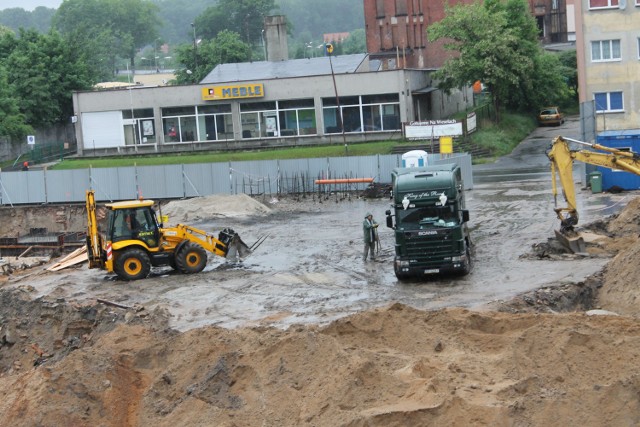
<point>433,129</point>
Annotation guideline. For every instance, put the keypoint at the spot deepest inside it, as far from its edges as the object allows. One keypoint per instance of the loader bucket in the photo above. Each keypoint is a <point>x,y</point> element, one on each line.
<point>236,248</point>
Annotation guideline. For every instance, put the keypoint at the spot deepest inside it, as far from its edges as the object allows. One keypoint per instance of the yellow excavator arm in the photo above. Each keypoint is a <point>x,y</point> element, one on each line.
<point>562,158</point>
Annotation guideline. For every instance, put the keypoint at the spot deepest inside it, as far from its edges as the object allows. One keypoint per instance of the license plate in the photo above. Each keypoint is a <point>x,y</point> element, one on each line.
<point>431,271</point>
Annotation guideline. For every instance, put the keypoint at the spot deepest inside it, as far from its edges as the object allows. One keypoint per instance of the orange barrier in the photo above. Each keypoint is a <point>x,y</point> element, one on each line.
<point>343,181</point>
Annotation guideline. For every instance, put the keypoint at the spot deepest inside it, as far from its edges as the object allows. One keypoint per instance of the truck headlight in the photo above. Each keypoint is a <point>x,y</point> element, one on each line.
<point>402,263</point>
<point>459,258</point>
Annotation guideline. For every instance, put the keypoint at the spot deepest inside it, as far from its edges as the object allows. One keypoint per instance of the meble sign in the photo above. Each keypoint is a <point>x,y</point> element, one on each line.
<point>215,93</point>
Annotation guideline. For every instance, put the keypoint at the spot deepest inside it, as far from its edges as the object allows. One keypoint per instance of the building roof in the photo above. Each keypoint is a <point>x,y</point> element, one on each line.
<point>265,70</point>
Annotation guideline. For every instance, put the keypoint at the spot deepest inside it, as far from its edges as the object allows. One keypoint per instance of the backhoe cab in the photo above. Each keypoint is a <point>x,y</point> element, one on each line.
<point>133,241</point>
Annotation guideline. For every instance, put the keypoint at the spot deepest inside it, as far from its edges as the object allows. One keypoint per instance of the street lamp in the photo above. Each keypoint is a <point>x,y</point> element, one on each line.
<point>155,53</point>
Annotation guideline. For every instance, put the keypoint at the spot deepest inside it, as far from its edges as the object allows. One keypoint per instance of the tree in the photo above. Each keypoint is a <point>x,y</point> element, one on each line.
<point>42,71</point>
<point>226,48</point>
<point>496,43</point>
<point>12,122</point>
<point>243,16</point>
<point>120,26</point>
<point>355,43</point>
<point>569,63</point>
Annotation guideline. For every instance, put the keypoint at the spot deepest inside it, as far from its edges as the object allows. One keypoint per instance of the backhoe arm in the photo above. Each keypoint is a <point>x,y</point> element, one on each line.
<point>94,244</point>
<point>562,163</point>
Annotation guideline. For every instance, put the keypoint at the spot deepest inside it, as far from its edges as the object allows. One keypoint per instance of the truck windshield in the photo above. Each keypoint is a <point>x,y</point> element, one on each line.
<point>431,216</point>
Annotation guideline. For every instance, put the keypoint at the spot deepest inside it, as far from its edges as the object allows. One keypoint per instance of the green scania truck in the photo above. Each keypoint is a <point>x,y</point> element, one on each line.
<point>431,233</point>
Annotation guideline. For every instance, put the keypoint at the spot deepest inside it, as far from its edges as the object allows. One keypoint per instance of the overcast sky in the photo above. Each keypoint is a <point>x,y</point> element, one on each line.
<point>29,4</point>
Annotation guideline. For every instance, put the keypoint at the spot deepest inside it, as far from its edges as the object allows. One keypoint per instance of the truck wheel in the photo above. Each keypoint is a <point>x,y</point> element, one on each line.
<point>467,268</point>
<point>191,258</point>
<point>132,264</point>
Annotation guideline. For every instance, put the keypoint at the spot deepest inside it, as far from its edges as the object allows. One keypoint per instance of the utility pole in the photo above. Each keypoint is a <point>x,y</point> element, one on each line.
<point>329,50</point>
<point>195,48</point>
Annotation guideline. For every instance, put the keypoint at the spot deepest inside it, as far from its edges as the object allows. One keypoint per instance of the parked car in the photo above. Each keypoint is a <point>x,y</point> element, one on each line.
<point>550,116</point>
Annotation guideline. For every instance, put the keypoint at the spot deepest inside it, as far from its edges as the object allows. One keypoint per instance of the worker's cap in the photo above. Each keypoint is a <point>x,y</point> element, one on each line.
<point>368,215</point>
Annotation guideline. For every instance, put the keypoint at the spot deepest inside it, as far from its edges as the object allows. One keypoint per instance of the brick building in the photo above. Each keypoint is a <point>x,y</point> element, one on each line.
<point>396,30</point>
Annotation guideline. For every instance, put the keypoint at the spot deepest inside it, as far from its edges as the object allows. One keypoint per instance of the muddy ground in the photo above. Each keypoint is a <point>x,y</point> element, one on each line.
<point>305,333</point>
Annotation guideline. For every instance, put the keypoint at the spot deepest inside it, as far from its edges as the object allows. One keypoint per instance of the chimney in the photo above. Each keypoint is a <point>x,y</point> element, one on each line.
<point>275,38</point>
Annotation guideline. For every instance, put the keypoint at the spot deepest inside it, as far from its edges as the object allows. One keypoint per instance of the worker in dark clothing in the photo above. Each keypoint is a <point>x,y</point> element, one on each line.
<point>369,227</point>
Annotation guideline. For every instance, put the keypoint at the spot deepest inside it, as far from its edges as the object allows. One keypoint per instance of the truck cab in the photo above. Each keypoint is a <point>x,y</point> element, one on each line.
<point>431,233</point>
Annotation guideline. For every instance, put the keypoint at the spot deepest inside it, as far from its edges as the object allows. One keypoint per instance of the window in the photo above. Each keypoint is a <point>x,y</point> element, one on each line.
<point>380,9</point>
<point>369,113</point>
<point>605,50</point>
<point>608,102</point>
<point>602,4</point>
<point>179,124</point>
<point>401,7</point>
<point>276,119</point>
<point>215,122</point>
<point>139,126</point>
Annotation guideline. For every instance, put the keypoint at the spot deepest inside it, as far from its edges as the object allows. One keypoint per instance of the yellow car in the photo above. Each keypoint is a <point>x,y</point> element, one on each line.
<point>550,116</point>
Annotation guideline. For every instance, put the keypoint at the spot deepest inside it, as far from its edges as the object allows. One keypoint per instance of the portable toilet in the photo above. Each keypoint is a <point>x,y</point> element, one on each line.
<point>414,159</point>
<point>622,140</point>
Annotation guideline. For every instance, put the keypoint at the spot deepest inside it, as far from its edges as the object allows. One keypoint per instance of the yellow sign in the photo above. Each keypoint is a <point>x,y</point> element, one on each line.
<point>216,93</point>
<point>446,145</point>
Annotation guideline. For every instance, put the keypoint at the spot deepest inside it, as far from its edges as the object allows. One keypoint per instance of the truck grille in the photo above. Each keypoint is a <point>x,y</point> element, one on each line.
<point>430,251</point>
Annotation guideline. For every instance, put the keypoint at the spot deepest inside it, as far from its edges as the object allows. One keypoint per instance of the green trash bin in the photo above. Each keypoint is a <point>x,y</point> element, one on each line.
<point>595,181</point>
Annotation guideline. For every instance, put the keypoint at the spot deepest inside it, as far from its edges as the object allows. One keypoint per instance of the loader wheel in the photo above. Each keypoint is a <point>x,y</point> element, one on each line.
<point>132,264</point>
<point>191,259</point>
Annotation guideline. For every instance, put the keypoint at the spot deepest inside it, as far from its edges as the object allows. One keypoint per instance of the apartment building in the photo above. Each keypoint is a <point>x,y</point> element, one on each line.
<point>608,53</point>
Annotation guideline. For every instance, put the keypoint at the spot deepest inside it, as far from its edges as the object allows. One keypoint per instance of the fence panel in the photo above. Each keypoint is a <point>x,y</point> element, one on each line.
<point>22,187</point>
<point>161,182</point>
<point>114,183</point>
<point>67,186</point>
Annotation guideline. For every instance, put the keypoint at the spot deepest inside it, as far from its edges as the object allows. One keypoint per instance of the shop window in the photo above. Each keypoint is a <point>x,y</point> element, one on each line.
<point>215,122</point>
<point>139,126</point>
<point>373,113</point>
<point>278,119</point>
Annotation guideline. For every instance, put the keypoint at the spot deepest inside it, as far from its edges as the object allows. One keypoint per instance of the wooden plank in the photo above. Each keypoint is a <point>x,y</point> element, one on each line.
<point>75,257</point>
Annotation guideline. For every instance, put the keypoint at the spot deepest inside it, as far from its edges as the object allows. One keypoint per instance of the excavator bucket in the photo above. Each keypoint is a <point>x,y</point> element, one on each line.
<point>572,241</point>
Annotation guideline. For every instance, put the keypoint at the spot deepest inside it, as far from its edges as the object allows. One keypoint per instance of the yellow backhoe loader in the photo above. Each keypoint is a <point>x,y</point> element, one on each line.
<point>133,241</point>
<point>562,158</point>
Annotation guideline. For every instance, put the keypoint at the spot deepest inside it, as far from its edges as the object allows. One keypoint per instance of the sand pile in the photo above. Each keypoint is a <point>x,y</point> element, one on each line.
<point>211,207</point>
<point>627,222</point>
<point>394,366</point>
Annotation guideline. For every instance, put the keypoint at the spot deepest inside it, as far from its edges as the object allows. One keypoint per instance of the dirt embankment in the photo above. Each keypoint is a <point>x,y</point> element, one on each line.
<point>65,364</point>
